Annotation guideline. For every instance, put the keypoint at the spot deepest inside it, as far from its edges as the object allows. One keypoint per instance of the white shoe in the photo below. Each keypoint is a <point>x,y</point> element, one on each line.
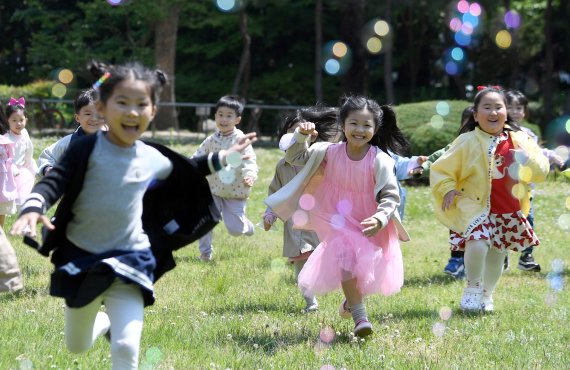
<point>487,304</point>
<point>471,299</point>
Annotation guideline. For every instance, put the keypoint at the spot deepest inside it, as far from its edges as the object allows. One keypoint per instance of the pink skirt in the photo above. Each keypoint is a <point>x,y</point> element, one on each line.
<point>349,254</point>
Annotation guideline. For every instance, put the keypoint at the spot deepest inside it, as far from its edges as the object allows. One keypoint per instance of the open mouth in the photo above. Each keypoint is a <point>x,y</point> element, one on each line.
<point>130,128</point>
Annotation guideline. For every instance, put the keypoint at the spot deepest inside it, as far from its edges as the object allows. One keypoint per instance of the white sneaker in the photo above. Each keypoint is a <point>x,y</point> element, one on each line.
<point>206,257</point>
<point>312,307</point>
<point>344,310</point>
<point>487,304</point>
<point>471,299</point>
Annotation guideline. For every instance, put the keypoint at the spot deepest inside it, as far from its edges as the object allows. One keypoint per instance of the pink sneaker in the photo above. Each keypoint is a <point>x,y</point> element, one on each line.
<point>363,328</point>
<point>344,310</point>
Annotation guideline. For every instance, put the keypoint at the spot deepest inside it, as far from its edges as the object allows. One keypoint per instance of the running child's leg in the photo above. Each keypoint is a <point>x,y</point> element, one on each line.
<point>233,212</point>
<point>85,324</point>
<point>125,307</point>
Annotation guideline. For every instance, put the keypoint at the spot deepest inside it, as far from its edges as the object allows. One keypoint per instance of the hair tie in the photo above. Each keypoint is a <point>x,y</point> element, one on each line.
<point>497,87</point>
<point>20,101</point>
<point>101,80</point>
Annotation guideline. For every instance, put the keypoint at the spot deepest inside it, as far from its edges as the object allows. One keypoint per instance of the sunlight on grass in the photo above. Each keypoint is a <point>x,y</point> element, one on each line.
<point>243,310</point>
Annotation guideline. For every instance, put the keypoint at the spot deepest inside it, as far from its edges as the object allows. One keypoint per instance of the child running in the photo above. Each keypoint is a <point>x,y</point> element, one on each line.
<point>10,274</point>
<point>517,108</point>
<point>231,186</point>
<point>25,166</point>
<point>479,186</point>
<point>115,260</point>
<point>299,244</point>
<point>348,193</point>
<point>89,123</point>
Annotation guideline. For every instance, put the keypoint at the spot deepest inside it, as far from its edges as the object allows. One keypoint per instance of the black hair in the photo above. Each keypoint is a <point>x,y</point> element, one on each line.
<point>84,98</point>
<point>324,118</point>
<point>470,124</point>
<point>10,109</point>
<point>387,135</point>
<point>465,116</point>
<point>4,127</point>
<point>520,98</point>
<point>111,75</point>
<point>233,102</point>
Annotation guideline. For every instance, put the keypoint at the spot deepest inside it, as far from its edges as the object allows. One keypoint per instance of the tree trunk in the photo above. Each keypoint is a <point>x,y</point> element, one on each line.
<point>352,21</point>
<point>318,50</point>
<point>388,81</point>
<point>244,62</point>
<point>547,83</point>
<point>165,56</point>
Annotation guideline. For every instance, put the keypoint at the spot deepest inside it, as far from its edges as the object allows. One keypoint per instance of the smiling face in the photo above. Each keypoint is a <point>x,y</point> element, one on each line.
<point>226,119</point>
<point>89,119</point>
<point>17,121</point>
<point>516,110</point>
<point>128,111</point>
<point>359,129</point>
<point>491,113</point>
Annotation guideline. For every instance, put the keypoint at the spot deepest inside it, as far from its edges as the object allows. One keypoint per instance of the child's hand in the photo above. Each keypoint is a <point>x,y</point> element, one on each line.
<point>448,199</point>
<point>416,171</point>
<point>26,224</point>
<point>371,226</point>
<point>308,128</point>
<point>248,181</point>
<point>556,160</point>
<point>268,220</point>
<point>242,143</point>
<point>421,159</point>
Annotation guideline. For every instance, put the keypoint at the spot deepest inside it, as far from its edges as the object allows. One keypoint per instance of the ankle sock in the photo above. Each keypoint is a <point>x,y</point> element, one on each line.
<point>358,312</point>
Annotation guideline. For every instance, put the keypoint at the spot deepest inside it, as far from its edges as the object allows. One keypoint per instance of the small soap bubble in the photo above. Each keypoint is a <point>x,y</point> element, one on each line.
<point>300,218</point>
<point>564,221</point>
<point>58,90</point>
<point>153,355</point>
<point>332,67</point>
<point>327,367</point>
<point>503,39</point>
<point>344,207</point>
<point>65,76</point>
<point>381,28</point>
<point>327,334</point>
<point>557,266</point>
<point>227,175</point>
<point>513,171</point>
<point>445,313</point>
<point>556,281</point>
<point>519,191</point>
<point>436,121</point>
<point>234,159</point>
<point>338,221</point>
<point>278,265</point>
<point>438,329</point>
<point>114,2</point>
<point>307,202</point>
<point>442,107</point>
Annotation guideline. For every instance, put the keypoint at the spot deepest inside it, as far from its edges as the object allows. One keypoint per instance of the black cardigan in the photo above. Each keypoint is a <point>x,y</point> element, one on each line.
<point>176,212</point>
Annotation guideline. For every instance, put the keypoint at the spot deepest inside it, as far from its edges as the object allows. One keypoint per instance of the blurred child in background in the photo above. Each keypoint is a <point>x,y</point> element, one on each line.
<point>89,123</point>
<point>299,244</point>
<point>231,186</point>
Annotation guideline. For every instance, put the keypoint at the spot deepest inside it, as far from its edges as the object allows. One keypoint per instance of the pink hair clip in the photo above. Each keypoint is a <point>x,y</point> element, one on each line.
<point>20,101</point>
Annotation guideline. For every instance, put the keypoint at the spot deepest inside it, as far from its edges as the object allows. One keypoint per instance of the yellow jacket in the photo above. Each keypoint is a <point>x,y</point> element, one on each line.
<point>468,167</point>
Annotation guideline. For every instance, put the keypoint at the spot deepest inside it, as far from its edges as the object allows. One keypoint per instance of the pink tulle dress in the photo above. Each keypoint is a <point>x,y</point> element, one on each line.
<point>344,198</point>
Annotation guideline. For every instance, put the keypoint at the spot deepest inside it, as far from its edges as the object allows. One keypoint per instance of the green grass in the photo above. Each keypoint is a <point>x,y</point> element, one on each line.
<point>243,310</point>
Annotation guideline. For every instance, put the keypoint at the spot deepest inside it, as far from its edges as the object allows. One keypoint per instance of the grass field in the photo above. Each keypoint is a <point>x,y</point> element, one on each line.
<point>243,310</point>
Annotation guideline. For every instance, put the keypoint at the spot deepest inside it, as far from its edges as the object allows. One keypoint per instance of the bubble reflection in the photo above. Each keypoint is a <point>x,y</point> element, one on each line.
<point>438,329</point>
<point>327,335</point>
<point>445,313</point>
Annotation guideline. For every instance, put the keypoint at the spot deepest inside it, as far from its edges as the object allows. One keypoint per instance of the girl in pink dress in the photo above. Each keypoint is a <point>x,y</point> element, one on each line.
<point>348,193</point>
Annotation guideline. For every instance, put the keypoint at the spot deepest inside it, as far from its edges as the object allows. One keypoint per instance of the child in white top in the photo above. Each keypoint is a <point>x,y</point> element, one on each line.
<point>89,123</point>
<point>231,186</point>
<point>24,165</point>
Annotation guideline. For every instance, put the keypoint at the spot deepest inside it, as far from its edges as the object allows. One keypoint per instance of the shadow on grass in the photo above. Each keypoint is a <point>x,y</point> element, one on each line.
<point>435,279</point>
<point>23,293</point>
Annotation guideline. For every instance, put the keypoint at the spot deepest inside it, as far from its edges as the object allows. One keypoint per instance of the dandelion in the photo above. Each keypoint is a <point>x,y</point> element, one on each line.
<point>255,345</point>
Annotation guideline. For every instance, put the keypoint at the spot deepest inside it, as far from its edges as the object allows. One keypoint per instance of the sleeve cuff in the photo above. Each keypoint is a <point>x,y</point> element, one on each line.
<point>299,137</point>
